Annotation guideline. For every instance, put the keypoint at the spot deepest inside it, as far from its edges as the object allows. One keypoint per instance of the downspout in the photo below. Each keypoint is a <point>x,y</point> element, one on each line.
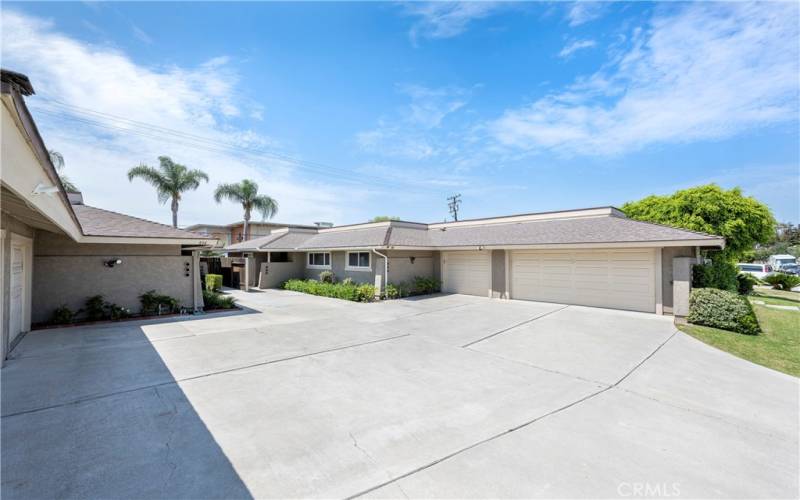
<point>385,269</point>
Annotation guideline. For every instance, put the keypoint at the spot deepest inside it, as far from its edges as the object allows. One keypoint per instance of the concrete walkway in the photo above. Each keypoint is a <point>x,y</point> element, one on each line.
<point>445,396</point>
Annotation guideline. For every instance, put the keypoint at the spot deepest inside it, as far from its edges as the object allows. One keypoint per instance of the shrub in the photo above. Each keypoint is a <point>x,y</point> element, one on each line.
<point>154,303</point>
<point>782,281</point>
<point>424,285</point>
<point>215,300</point>
<point>63,315</point>
<point>95,308</point>
<point>347,281</point>
<point>720,274</point>
<point>214,282</point>
<point>746,282</point>
<point>116,312</point>
<point>345,291</point>
<point>721,309</point>
<point>328,277</point>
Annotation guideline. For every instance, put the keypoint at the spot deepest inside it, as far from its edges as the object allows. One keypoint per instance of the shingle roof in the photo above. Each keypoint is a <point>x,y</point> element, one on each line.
<point>604,229</point>
<point>99,222</point>
<point>595,229</point>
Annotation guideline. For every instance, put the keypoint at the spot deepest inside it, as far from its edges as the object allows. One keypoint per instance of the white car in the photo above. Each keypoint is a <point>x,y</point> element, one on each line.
<point>760,271</point>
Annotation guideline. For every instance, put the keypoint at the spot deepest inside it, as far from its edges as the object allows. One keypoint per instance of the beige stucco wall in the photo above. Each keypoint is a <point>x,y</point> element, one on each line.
<point>667,254</point>
<point>498,274</point>
<point>67,273</point>
<point>401,269</point>
<point>278,272</point>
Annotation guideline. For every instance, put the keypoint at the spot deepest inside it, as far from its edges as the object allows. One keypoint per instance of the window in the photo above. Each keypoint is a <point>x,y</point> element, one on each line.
<point>358,261</point>
<point>319,260</point>
<point>750,267</point>
<point>279,257</point>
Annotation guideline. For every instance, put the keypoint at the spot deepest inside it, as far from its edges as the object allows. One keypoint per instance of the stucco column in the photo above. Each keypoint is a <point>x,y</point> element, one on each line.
<point>197,287</point>
<point>681,285</point>
<point>246,273</point>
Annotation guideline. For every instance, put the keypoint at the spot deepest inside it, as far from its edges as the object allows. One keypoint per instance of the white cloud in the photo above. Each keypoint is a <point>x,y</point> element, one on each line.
<point>696,72</point>
<point>584,11</point>
<point>575,46</point>
<point>445,19</point>
<point>200,101</point>
<point>412,133</point>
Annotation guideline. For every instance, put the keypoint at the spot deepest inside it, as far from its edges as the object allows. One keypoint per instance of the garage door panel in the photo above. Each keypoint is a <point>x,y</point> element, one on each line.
<point>622,279</point>
<point>466,272</point>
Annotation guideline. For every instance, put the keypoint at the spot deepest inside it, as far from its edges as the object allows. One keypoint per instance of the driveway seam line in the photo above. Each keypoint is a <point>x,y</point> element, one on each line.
<point>195,377</point>
<point>515,326</point>
<point>473,445</point>
<point>513,429</point>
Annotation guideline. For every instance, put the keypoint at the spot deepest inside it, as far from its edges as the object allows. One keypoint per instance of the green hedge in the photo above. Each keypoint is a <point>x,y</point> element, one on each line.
<point>719,274</point>
<point>216,300</point>
<point>346,291</point>
<point>214,282</point>
<point>419,285</point>
<point>722,309</point>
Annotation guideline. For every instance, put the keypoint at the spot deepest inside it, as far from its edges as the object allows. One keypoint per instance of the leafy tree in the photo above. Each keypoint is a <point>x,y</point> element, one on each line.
<point>170,180</point>
<point>57,159</point>
<point>742,220</point>
<point>384,218</point>
<point>246,193</point>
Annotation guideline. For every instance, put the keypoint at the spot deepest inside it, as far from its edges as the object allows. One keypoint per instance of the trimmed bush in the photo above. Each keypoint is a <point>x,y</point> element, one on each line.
<point>95,308</point>
<point>423,286</point>
<point>63,315</point>
<point>214,282</point>
<point>782,281</point>
<point>215,300</point>
<point>345,291</point>
<point>327,277</point>
<point>720,274</point>
<point>154,303</point>
<point>721,309</point>
<point>746,282</point>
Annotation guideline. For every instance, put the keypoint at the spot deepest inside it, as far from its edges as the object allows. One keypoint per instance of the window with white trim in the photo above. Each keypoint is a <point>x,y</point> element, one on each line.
<point>358,261</point>
<point>319,260</point>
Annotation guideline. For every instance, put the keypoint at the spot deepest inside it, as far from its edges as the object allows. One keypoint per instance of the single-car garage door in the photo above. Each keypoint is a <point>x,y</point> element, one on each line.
<point>619,279</point>
<point>466,272</point>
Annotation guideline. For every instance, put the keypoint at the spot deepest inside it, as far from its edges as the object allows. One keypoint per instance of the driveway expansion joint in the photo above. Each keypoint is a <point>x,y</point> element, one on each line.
<point>518,427</point>
<point>531,320</point>
<point>195,377</point>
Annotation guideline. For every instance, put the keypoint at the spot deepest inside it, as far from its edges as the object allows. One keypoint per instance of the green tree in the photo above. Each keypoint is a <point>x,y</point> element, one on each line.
<point>742,220</point>
<point>170,180</point>
<point>384,218</point>
<point>57,159</point>
<point>246,193</point>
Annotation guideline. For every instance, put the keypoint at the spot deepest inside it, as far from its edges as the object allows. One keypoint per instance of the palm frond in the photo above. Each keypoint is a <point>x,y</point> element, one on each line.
<point>232,192</point>
<point>56,158</point>
<point>265,205</point>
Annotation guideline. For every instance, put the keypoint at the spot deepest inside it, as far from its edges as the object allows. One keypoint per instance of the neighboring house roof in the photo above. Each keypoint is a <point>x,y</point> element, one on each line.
<point>251,223</point>
<point>599,226</point>
<point>98,222</point>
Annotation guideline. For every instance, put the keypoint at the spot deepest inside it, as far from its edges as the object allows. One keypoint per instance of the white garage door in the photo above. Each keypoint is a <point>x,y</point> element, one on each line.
<point>618,279</point>
<point>466,272</point>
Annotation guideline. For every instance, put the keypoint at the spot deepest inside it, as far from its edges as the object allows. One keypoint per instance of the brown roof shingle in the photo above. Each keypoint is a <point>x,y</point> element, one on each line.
<point>98,222</point>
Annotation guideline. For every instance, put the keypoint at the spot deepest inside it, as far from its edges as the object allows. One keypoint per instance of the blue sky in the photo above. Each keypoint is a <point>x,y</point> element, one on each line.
<point>344,111</point>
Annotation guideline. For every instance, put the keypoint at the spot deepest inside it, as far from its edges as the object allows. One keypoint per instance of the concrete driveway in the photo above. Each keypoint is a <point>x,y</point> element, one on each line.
<point>446,396</point>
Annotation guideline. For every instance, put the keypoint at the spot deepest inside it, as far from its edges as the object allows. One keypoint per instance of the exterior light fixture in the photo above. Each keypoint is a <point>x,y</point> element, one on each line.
<point>42,188</point>
<point>112,262</point>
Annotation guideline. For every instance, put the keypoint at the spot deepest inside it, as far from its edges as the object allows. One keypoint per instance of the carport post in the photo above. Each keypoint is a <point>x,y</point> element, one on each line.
<point>681,285</point>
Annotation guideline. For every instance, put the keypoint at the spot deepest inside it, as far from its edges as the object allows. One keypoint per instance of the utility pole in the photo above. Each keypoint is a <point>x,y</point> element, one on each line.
<point>453,202</point>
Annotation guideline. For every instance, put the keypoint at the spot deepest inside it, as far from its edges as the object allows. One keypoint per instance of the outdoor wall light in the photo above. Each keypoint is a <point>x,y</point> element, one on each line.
<point>412,259</point>
<point>112,262</point>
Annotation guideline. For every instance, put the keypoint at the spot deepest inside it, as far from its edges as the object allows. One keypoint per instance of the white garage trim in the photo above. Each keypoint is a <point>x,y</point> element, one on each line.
<point>467,272</point>
<point>612,278</point>
<point>25,246</point>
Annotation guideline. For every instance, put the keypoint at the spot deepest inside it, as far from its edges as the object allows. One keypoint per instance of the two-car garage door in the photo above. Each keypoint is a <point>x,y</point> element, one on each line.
<point>614,278</point>
<point>619,279</point>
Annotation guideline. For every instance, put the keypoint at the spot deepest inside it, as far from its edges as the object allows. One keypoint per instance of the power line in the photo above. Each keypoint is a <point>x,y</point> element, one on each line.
<point>147,130</point>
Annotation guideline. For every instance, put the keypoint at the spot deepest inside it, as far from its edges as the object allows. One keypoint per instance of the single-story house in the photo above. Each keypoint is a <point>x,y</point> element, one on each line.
<point>57,251</point>
<point>594,257</point>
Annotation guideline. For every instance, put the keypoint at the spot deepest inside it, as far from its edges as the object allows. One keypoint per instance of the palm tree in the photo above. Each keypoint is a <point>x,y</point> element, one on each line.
<point>246,193</point>
<point>170,180</point>
<point>57,159</point>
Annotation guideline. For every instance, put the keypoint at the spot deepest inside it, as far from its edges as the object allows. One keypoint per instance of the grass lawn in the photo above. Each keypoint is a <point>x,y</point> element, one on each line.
<point>778,345</point>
